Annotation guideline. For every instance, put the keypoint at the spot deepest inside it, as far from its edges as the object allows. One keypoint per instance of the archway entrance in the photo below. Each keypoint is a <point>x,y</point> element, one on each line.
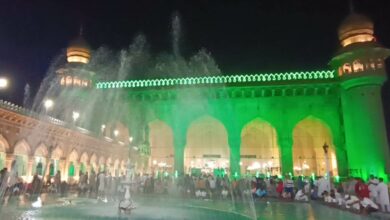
<point>207,148</point>
<point>3,149</point>
<point>40,156</point>
<point>72,164</point>
<point>161,146</point>
<point>102,164</point>
<point>83,163</point>
<point>310,135</point>
<point>55,161</point>
<point>259,149</point>
<point>21,152</point>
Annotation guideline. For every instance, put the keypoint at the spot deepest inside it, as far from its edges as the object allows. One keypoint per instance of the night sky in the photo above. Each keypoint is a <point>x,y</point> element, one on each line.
<point>242,36</point>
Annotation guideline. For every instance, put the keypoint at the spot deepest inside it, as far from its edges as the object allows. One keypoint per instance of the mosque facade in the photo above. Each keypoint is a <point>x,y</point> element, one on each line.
<point>298,123</point>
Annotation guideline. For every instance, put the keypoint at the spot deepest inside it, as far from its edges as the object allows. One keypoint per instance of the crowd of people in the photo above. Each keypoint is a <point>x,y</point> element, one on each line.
<point>351,193</point>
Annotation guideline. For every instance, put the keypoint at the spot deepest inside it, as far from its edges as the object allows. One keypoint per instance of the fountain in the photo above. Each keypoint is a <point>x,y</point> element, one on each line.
<point>127,204</point>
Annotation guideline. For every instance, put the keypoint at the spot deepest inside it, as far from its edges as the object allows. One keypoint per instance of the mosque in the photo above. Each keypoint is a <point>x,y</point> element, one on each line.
<point>298,123</point>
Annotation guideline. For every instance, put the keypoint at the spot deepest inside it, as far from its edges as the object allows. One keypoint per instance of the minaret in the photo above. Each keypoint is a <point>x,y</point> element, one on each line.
<point>361,70</point>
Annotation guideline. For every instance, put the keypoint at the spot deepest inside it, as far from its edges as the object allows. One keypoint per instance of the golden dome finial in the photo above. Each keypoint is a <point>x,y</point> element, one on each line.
<point>78,50</point>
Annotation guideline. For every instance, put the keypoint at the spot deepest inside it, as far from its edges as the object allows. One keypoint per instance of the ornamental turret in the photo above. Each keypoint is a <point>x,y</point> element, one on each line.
<point>361,70</point>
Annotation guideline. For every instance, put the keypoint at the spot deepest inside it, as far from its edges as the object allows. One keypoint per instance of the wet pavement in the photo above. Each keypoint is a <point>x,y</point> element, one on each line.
<point>165,207</point>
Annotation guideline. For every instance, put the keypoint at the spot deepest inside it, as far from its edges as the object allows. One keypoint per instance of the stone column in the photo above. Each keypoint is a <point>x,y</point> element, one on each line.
<point>179,139</point>
<point>286,153</point>
<point>341,155</point>
<point>235,152</point>
<point>30,164</point>
<point>8,161</point>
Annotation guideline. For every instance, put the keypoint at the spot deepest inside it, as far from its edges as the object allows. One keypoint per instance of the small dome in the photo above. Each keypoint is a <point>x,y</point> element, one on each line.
<point>78,51</point>
<point>356,28</point>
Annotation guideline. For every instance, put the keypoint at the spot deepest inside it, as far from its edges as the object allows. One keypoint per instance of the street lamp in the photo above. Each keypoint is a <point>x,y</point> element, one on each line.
<point>116,133</point>
<point>326,147</point>
<point>3,83</point>
<point>130,139</point>
<point>48,104</point>
<point>75,115</point>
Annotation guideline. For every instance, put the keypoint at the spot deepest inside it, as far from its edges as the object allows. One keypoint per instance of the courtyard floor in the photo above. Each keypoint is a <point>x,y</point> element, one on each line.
<point>165,207</point>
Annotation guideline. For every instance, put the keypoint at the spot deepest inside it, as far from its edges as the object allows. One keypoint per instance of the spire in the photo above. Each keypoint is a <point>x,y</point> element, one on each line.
<point>81,30</point>
<point>351,7</point>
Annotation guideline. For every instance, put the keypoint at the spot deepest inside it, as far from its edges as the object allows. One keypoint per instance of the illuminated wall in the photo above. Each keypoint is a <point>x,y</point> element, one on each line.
<point>161,145</point>
<point>259,148</point>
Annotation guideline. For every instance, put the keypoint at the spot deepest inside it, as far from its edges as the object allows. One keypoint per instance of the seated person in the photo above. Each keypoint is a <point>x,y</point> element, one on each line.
<point>301,196</point>
<point>368,206</point>
<point>224,193</point>
<point>352,201</point>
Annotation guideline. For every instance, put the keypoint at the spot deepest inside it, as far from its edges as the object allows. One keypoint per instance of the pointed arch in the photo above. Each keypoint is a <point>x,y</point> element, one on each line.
<point>4,146</point>
<point>207,145</point>
<point>57,153</point>
<point>22,148</point>
<point>84,158</point>
<point>41,151</point>
<point>259,148</point>
<point>309,136</point>
<point>73,156</point>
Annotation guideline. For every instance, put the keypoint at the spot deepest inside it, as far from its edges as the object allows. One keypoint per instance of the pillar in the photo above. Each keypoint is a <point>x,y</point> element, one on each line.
<point>286,153</point>
<point>30,164</point>
<point>9,158</point>
<point>341,156</point>
<point>234,139</point>
<point>365,131</point>
<point>179,140</point>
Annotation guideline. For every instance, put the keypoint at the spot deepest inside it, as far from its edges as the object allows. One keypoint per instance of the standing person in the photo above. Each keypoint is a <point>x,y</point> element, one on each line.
<point>383,196</point>
<point>57,181</point>
<point>372,187</point>
<point>92,183</point>
<point>323,185</point>
<point>289,187</point>
<point>101,178</point>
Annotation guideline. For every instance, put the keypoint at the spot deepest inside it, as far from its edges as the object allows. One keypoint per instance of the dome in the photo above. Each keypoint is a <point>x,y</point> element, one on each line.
<point>78,51</point>
<point>356,28</point>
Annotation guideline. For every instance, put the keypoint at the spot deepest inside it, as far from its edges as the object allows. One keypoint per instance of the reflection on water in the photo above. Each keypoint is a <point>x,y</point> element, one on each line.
<point>173,208</point>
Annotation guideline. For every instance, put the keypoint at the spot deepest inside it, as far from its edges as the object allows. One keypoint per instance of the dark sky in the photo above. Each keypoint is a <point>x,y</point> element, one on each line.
<point>243,36</point>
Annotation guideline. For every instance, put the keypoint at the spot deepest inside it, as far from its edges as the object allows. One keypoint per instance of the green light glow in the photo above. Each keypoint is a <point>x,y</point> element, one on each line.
<point>267,77</point>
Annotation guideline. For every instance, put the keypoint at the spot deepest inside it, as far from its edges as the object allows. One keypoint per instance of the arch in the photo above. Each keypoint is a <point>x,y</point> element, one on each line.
<point>4,146</point>
<point>83,162</point>
<point>259,148</point>
<point>357,66</point>
<point>72,163</point>
<point>73,156</point>
<point>41,151</point>
<point>207,145</point>
<point>84,157</point>
<point>161,144</point>
<point>309,137</point>
<point>102,164</point>
<point>347,68</point>
<point>40,155</point>
<point>57,153</point>
<point>22,148</point>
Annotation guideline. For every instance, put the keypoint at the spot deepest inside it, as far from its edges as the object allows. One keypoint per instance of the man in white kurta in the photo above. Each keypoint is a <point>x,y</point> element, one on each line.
<point>383,196</point>
<point>323,185</point>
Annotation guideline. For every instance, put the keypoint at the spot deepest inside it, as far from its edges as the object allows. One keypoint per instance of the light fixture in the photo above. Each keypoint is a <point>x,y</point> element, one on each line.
<point>3,83</point>
<point>75,115</point>
<point>116,133</point>
<point>130,139</point>
<point>48,103</point>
